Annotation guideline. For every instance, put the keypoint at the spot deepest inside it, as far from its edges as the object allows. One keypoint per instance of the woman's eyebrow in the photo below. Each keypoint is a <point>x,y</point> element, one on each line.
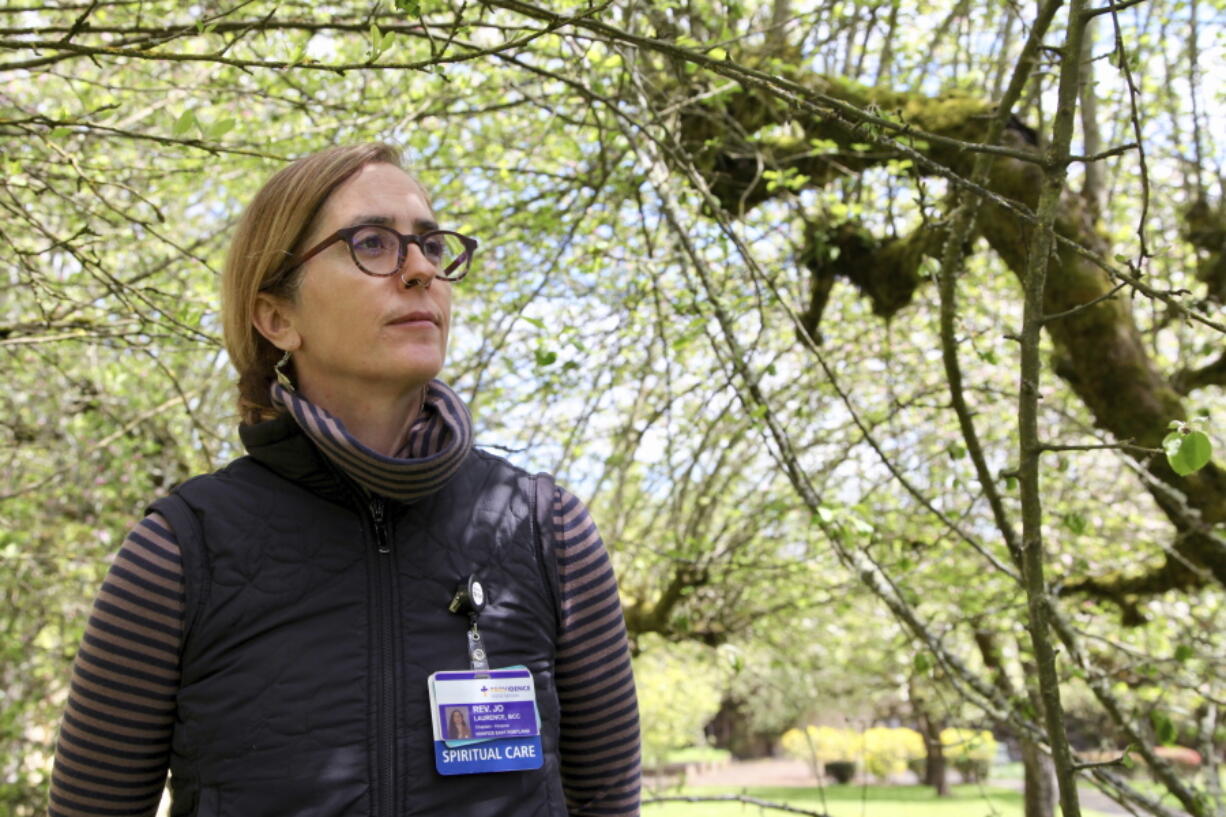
<point>420,225</point>
<point>371,219</point>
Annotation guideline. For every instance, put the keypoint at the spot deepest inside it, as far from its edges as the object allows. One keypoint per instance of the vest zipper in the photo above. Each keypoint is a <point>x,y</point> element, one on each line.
<point>386,720</point>
<point>376,515</point>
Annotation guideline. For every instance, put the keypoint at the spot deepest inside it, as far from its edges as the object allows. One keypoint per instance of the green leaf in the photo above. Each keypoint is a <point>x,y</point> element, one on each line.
<point>859,525</point>
<point>537,322</point>
<point>376,42</point>
<point>1075,522</point>
<point>1183,652</point>
<point>1164,729</point>
<point>1187,453</point>
<point>409,7</point>
<point>184,123</point>
<point>298,56</point>
<point>545,357</point>
<point>1194,452</point>
<point>922,663</point>
<point>220,129</point>
<point>59,133</point>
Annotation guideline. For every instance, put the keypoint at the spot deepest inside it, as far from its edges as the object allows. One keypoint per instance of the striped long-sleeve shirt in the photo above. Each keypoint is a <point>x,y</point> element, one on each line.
<point>114,744</point>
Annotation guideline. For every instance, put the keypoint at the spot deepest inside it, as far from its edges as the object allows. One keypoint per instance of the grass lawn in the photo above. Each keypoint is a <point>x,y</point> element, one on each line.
<point>853,801</point>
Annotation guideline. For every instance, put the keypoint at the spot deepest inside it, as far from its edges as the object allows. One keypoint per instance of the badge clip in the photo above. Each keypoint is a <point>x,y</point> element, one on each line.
<point>469,599</point>
<point>477,658</point>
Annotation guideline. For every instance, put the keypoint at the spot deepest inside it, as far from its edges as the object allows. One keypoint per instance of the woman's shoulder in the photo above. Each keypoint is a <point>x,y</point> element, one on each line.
<point>538,480</point>
<point>150,552</point>
<point>497,460</point>
<point>237,478</point>
<point>145,581</point>
<point>569,511</point>
<point>153,535</point>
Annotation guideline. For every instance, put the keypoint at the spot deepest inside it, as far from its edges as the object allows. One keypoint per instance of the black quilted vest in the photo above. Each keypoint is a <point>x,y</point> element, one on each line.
<point>314,615</point>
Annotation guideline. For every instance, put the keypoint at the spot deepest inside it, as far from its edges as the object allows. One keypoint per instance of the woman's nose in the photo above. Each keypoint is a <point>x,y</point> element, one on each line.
<point>416,269</point>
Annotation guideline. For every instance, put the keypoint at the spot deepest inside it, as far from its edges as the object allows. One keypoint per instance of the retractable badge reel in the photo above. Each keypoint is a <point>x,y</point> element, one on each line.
<point>483,720</point>
<point>469,600</point>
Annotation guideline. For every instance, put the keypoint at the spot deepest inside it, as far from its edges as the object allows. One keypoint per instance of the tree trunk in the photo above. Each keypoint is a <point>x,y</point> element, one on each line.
<point>934,758</point>
<point>730,730</point>
<point>1039,792</point>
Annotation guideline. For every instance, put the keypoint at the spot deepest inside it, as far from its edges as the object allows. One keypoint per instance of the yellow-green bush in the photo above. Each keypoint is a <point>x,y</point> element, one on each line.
<point>881,751</point>
<point>970,751</point>
<point>679,693</point>
<point>819,745</point>
<point>886,751</point>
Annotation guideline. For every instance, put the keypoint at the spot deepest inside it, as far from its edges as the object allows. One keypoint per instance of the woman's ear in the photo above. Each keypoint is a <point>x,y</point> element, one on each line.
<point>273,318</point>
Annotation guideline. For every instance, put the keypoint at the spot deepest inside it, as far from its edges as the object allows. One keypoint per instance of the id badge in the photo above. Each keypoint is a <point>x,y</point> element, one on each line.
<point>485,721</point>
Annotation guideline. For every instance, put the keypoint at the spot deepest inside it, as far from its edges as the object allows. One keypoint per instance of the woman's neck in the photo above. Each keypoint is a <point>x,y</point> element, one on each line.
<point>381,422</point>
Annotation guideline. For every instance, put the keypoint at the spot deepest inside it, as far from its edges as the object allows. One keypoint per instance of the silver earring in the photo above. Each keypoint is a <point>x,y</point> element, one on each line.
<point>282,377</point>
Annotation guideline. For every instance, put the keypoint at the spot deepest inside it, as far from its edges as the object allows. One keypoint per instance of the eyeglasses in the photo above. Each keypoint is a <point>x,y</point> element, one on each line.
<point>380,251</point>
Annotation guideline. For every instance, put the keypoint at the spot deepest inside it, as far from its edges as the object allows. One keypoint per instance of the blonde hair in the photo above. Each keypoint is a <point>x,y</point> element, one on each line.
<point>272,228</point>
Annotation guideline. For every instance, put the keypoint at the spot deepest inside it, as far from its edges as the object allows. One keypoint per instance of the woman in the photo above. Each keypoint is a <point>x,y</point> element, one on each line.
<point>457,726</point>
<point>273,633</point>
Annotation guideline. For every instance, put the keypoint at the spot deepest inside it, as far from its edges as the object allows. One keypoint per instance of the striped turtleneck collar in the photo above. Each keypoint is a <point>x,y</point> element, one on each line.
<point>439,440</point>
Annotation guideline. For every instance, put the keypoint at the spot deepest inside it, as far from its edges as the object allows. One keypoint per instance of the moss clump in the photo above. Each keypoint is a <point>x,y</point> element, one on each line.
<point>951,111</point>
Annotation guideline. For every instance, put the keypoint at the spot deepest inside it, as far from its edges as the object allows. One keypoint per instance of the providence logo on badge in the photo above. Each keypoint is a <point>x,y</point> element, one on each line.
<point>485,721</point>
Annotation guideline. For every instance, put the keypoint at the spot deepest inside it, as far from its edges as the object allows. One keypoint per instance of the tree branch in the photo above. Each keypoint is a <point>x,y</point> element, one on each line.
<point>1186,381</point>
<point>1034,286</point>
<point>733,798</point>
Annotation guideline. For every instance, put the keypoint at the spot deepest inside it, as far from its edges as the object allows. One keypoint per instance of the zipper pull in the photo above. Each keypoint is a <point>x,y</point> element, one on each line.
<point>376,513</point>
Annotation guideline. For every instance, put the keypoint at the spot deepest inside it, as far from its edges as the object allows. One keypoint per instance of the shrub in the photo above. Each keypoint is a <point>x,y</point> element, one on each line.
<point>969,751</point>
<point>820,746</point>
<point>678,694</point>
<point>841,770</point>
<point>886,751</point>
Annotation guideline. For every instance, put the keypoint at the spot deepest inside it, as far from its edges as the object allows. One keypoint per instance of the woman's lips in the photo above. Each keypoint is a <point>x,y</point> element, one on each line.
<point>413,319</point>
